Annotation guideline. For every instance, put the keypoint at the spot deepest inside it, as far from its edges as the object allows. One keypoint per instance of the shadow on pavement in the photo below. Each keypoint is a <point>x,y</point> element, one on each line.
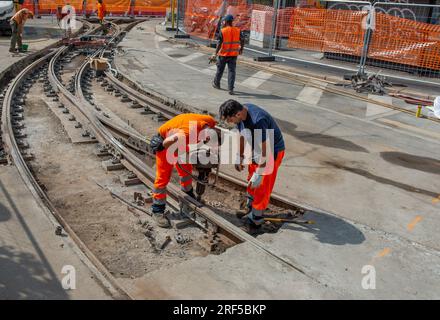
<point>411,161</point>
<point>23,276</point>
<point>318,138</point>
<point>5,214</point>
<point>329,229</point>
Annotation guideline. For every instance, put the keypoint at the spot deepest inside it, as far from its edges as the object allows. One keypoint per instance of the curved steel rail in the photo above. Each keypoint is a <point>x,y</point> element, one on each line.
<point>101,273</point>
<point>147,175</point>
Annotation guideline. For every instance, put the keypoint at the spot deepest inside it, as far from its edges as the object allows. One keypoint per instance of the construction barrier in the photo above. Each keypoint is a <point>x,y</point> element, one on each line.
<point>401,34</point>
<point>113,7</point>
<point>405,41</point>
<point>151,7</point>
<point>337,31</point>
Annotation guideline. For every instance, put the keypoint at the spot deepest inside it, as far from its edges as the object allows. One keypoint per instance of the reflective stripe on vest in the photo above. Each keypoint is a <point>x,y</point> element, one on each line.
<point>231,42</point>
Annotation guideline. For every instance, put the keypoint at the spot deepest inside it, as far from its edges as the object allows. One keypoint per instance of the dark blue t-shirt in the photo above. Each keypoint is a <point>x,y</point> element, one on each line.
<point>258,118</point>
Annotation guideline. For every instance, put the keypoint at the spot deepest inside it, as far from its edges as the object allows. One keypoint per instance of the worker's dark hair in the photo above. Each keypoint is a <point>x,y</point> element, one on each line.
<point>229,108</point>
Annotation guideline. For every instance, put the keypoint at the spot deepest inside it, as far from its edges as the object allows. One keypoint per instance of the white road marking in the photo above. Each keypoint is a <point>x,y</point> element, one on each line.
<point>160,38</point>
<point>169,49</point>
<point>192,56</point>
<point>375,109</point>
<point>210,71</point>
<point>257,79</point>
<point>310,95</point>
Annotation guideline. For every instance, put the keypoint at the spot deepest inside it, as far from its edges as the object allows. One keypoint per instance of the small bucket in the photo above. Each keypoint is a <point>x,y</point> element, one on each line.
<point>24,47</point>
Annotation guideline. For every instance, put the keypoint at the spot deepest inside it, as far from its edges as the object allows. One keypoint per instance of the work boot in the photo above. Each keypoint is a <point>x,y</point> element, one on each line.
<point>161,220</point>
<point>158,213</point>
<point>191,193</point>
<point>231,92</point>
<point>215,86</point>
<point>13,50</point>
<point>252,225</point>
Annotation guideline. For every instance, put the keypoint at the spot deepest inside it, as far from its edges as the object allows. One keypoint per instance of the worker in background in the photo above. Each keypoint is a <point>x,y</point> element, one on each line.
<point>17,25</point>
<point>168,134</point>
<point>263,169</point>
<point>230,45</point>
<point>101,11</point>
<point>17,5</point>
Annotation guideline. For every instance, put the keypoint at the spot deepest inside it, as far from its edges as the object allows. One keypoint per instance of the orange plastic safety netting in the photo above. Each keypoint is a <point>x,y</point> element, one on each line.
<point>151,7</point>
<point>307,29</point>
<point>113,7</point>
<point>343,31</point>
<point>202,17</point>
<point>394,39</point>
<point>405,41</point>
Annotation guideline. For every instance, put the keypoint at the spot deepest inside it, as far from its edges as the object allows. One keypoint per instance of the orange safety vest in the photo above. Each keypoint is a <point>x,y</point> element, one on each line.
<point>182,122</point>
<point>101,10</point>
<point>231,42</point>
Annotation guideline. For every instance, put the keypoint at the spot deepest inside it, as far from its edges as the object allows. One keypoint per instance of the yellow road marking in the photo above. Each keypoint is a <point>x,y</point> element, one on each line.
<point>413,223</point>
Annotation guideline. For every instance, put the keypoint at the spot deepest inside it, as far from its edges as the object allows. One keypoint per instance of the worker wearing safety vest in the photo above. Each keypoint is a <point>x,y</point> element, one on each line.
<point>17,25</point>
<point>171,135</point>
<point>230,45</point>
<point>259,129</point>
<point>101,11</point>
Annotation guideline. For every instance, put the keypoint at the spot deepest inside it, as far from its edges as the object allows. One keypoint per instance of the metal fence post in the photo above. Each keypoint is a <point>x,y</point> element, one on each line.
<point>178,17</point>
<point>369,22</point>
<point>132,6</point>
<point>274,24</point>
<point>84,8</point>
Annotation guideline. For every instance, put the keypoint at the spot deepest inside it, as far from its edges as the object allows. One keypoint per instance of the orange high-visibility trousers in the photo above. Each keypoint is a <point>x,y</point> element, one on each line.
<point>164,170</point>
<point>261,195</point>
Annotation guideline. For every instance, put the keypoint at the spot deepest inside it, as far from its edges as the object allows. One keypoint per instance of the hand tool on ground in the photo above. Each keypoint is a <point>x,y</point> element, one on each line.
<point>293,220</point>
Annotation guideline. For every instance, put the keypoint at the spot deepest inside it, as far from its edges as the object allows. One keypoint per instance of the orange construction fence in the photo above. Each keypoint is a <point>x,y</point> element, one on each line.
<point>394,39</point>
<point>113,7</point>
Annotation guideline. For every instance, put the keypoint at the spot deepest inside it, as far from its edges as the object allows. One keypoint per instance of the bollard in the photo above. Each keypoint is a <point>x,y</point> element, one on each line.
<point>419,111</point>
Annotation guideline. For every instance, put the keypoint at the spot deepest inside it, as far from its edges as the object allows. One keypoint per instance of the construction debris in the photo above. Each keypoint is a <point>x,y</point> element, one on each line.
<point>373,83</point>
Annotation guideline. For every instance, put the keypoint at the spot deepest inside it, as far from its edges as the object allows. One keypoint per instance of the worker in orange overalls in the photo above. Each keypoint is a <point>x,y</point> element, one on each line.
<point>101,11</point>
<point>230,45</point>
<point>175,130</point>
<point>267,155</point>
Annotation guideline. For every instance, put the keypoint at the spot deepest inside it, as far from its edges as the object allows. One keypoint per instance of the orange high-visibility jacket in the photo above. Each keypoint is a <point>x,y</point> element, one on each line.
<point>231,42</point>
<point>182,122</point>
<point>101,10</point>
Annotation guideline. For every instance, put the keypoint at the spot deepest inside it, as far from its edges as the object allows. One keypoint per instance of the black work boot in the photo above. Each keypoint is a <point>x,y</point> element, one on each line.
<point>191,193</point>
<point>215,86</point>
<point>252,224</point>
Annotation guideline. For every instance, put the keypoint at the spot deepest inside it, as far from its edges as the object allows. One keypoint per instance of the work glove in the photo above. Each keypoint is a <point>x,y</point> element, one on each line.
<point>255,180</point>
<point>213,59</point>
<point>156,143</point>
<point>239,166</point>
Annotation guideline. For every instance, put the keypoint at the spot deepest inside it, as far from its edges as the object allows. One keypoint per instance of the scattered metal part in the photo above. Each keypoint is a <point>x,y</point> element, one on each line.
<point>165,243</point>
<point>373,83</point>
<point>59,231</point>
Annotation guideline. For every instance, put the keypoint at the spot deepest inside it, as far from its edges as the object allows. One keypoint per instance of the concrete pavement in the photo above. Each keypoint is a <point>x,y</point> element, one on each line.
<point>38,33</point>
<point>33,260</point>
